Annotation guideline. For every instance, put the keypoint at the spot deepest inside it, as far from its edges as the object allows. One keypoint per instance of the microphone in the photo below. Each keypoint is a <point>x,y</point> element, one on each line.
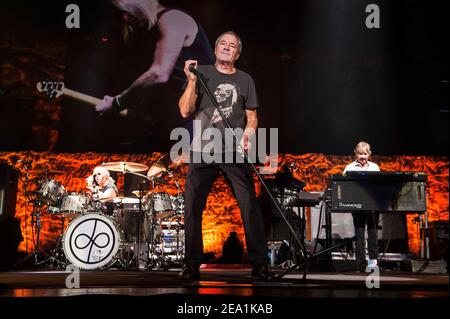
<point>192,68</point>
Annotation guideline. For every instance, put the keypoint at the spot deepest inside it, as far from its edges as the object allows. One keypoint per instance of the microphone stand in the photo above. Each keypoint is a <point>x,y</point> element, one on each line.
<point>305,253</point>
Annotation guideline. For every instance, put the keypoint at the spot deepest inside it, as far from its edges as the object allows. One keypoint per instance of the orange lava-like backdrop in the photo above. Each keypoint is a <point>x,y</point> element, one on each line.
<point>222,214</point>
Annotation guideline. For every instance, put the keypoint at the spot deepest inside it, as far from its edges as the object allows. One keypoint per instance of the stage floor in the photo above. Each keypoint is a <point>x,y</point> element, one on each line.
<point>232,280</point>
<point>222,288</point>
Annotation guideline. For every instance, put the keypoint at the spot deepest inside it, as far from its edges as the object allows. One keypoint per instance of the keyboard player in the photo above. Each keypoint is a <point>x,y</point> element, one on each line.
<point>360,219</point>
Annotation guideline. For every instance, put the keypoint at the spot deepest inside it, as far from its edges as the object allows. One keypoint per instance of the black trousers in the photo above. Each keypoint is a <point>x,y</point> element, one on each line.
<point>199,181</point>
<point>360,220</point>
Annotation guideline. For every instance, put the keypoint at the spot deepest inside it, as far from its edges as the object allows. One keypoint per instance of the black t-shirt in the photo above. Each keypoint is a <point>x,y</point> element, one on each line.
<point>234,93</point>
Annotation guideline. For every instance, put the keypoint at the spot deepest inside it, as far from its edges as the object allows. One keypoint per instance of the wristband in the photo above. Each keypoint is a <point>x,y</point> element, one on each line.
<point>116,104</point>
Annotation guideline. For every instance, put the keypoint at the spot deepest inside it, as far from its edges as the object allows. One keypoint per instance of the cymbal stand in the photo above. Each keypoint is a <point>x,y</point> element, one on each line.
<point>158,259</point>
<point>36,220</point>
<point>36,229</point>
<point>179,255</point>
<point>140,216</point>
<point>137,252</point>
<point>28,199</point>
<point>56,253</point>
<point>26,164</point>
<point>27,196</point>
<point>179,209</point>
<point>36,223</point>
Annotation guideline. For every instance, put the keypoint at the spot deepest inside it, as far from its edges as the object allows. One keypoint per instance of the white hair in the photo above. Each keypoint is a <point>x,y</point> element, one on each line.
<point>364,146</point>
<point>104,171</point>
<point>146,7</point>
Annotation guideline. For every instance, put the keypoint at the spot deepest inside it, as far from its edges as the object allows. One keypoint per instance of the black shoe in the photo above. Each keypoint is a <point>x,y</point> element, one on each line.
<point>361,267</point>
<point>189,272</point>
<point>262,272</point>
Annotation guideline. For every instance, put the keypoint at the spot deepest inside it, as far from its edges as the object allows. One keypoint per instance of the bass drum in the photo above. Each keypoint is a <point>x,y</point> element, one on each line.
<point>92,241</point>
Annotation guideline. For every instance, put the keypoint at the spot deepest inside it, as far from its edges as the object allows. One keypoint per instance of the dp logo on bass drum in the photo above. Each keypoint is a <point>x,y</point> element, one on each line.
<point>91,241</point>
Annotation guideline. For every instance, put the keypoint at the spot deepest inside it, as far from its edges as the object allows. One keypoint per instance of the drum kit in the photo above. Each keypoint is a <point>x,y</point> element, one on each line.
<point>144,231</point>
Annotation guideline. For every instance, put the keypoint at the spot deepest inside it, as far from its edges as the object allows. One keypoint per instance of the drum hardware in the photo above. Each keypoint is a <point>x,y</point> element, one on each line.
<point>36,224</point>
<point>56,259</point>
<point>32,198</point>
<point>168,249</point>
<point>138,254</point>
<point>126,206</point>
<point>157,235</point>
<point>109,206</point>
<point>68,206</point>
<point>172,242</point>
<point>165,245</point>
<point>46,198</point>
<point>166,211</point>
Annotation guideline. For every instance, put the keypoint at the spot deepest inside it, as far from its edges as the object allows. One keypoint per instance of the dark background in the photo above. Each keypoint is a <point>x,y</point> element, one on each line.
<point>323,78</point>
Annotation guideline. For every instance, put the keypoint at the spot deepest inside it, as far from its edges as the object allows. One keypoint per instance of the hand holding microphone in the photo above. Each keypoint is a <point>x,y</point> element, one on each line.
<point>190,67</point>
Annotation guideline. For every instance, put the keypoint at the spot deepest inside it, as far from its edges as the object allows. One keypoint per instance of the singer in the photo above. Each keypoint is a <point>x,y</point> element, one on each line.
<point>101,184</point>
<point>235,92</point>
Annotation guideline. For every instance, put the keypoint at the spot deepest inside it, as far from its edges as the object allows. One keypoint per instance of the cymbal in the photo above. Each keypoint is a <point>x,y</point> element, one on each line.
<point>156,171</point>
<point>163,164</point>
<point>124,167</point>
<point>45,171</point>
<point>163,161</point>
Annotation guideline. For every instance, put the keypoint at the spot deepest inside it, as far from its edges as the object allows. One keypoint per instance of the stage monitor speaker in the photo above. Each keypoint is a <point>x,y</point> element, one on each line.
<point>8,190</point>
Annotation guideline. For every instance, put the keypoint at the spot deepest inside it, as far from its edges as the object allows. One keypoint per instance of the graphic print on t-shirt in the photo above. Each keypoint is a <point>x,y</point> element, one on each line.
<point>226,95</point>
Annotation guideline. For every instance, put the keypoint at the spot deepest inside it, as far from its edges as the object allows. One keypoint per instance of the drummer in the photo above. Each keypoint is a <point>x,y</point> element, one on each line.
<point>101,184</point>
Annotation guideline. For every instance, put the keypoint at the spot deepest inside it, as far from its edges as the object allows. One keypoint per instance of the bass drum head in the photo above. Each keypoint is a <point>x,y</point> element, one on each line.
<point>91,241</point>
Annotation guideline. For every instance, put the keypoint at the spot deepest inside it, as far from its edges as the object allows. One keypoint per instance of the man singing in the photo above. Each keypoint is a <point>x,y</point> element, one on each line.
<point>234,91</point>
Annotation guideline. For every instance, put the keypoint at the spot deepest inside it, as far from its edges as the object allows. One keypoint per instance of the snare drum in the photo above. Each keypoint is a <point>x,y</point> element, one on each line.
<point>92,241</point>
<point>49,191</point>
